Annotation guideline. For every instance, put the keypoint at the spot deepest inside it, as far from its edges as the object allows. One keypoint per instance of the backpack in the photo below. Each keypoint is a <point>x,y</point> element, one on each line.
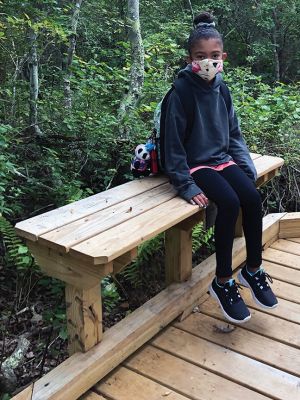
<point>187,100</point>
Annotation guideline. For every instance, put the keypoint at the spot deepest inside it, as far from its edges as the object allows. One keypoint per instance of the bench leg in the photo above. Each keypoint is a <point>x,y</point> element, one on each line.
<point>84,317</point>
<point>178,245</point>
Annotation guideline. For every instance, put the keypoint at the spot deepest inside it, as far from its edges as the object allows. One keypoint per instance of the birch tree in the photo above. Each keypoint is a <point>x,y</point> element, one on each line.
<point>70,55</point>
<point>34,82</point>
<point>136,76</point>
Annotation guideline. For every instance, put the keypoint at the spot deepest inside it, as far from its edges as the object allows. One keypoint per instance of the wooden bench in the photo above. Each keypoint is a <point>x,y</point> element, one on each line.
<point>83,242</point>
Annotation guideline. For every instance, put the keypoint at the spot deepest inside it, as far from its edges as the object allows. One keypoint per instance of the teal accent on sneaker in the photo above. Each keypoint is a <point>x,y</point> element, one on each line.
<point>230,281</point>
<point>253,273</point>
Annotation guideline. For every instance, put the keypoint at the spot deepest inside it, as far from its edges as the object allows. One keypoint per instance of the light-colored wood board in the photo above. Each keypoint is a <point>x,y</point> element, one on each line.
<point>186,378</point>
<point>254,156</point>
<point>120,239</point>
<point>250,344</point>
<point>229,364</point>
<point>282,273</point>
<point>122,261</point>
<point>290,225</point>
<point>294,239</point>
<point>287,246</point>
<point>286,309</point>
<point>82,370</point>
<point>26,394</point>
<point>262,323</point>
<point>281,257</point>
<point>92,396</point>
<point>84,317</point>
<point>286,291</point>
<point>36,226</point>
<point>78,231</point>
<point>124,384</point>
<point>265,164</point>
<point>66,268</point>
<point>178,255</point>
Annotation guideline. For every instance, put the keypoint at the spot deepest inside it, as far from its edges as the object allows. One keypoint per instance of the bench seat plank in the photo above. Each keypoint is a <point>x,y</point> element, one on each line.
<point>265,164</point>
<point>78,231</point>
<point>112,243</point>
<point>41,224</point>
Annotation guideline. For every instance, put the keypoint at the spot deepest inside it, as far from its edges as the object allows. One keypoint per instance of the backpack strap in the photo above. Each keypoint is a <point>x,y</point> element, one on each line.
<point>226,95</point>
<point>186,96</point>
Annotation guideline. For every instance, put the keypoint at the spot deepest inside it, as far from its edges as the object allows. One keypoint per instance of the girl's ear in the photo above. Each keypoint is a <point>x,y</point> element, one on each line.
<point>224,56</point>
<point>188,59</point>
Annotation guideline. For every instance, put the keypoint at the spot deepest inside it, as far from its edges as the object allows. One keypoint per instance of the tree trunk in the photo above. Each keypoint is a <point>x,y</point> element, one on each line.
<point>70,55</point>
<point>136,76</point>
<point>276,46</point>
<point>34,83</point>
<point>188,4</point>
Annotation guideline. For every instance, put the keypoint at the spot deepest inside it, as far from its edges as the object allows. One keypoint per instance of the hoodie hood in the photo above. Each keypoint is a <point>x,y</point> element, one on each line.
<point>197,81</point>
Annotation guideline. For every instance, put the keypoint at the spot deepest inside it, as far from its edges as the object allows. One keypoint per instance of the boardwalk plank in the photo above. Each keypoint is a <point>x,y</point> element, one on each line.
<point>229,364</point>
<point>262,323</point>
<point>286,245</point>
<point>92,396</point>
<point>286,309</point>
<point>281,257</point>
<point>282,273</point>
<point>186,378</point>
<point>250,344</point>
<point>124,384</point>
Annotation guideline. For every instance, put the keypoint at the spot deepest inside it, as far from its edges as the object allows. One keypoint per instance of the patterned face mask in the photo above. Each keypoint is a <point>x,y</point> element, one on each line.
<point>207,69</point>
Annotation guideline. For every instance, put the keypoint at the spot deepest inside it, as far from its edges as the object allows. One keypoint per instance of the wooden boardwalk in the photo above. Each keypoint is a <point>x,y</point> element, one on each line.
<point>202,357</point>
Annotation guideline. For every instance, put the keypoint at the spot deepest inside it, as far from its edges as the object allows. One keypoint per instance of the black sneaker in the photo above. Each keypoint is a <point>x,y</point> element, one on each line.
<point>260,289</point>
<point>230,301</point>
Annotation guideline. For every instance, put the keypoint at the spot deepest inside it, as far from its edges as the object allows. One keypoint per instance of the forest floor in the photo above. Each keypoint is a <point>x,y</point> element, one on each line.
<point>32,306</point>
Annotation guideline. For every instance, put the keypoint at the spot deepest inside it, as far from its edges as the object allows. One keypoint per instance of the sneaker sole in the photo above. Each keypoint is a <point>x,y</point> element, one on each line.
<point>236,321</point>
<point>245,283</point>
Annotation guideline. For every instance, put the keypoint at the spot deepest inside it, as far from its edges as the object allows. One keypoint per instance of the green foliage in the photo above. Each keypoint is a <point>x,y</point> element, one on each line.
<point>110,294</point>
<point>16,254</point>
<point>202,237</point>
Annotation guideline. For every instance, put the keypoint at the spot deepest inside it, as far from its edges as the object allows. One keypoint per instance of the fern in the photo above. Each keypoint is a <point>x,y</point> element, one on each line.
<point>15,252</point>
<point>201,236</point>
<point>146,252</point>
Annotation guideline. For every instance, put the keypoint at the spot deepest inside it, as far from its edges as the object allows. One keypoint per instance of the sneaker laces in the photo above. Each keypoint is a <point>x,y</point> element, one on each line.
<point>232,293</point>
<point>261,277</point>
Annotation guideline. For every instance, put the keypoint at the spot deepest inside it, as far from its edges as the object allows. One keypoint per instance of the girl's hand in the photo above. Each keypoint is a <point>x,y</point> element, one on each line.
<point>200,199</point>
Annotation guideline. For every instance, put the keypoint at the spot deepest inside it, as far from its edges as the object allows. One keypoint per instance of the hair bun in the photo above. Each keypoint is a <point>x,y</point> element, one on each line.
<point>204,20</point>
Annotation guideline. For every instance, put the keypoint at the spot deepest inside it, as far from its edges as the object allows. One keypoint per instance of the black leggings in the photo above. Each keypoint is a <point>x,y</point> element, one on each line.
<point>231,189</point>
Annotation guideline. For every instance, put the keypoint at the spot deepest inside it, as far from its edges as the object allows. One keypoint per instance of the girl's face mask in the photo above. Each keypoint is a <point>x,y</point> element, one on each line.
<point>207,69</point>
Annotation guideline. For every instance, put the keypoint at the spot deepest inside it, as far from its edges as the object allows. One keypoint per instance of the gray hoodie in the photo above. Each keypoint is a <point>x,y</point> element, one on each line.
<point>215,138</point>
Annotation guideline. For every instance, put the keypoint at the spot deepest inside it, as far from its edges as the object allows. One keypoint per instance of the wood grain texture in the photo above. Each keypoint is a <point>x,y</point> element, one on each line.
<point>92,396</point>
<point>290,225</point>
<point>64,267</point>
<point>229,364</point>
<point>265,324</point>
<point>118,240</point>
<point>36,226</point>
<point>249,343</point>
<point>85,228</point>
<point>184,377</point>
<point>286,245</point>
<point>282,258</point>
<point>84,318</point>
<point>178,256</point>
<point>124,384</point>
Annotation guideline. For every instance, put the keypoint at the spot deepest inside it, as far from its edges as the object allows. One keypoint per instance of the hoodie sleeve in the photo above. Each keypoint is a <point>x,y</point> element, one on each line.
<point>176,166</point>
<point>238,149</point>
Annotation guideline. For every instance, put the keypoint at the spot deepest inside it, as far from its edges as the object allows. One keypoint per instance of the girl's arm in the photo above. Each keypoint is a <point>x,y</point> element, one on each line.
<point>237,146</point>
<point>175,156</point>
